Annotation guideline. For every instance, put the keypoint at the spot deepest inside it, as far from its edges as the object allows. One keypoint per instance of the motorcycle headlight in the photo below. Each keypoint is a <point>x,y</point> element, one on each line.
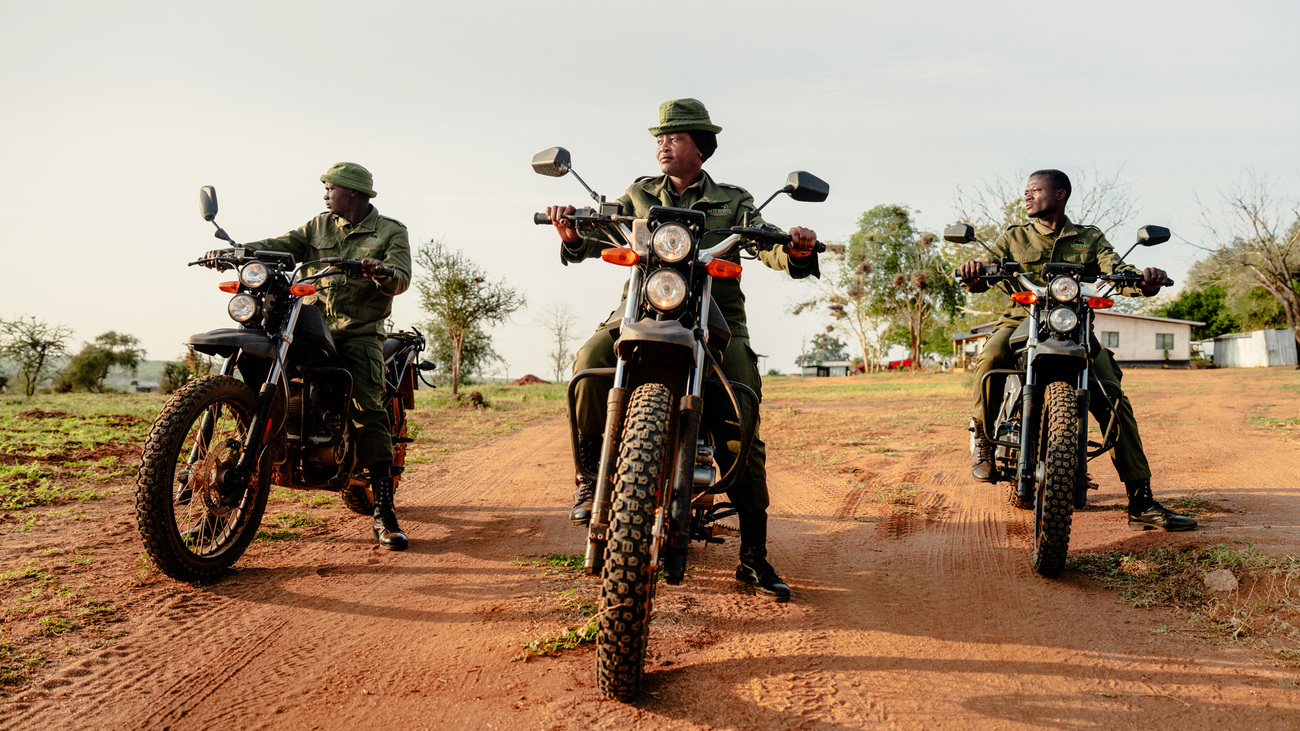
<point>1063,289</point>
<point>666,290</point>
<point>254,275</point>
<point>243,308</point>
<point>1063,319</point>
<point>672,242</point>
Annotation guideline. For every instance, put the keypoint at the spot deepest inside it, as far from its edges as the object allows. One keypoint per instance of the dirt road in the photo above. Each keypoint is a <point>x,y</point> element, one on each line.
<point>924,618</point>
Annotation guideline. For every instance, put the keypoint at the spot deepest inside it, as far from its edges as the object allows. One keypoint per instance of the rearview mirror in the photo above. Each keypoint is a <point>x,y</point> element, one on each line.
<point>959,233</point>
<point>1152,235</point>
<point>553,163</point>
<point>208,202</point>
<point>806,187</point>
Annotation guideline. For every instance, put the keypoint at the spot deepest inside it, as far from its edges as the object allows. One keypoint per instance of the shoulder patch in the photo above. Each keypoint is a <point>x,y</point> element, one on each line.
<point>392,220</point>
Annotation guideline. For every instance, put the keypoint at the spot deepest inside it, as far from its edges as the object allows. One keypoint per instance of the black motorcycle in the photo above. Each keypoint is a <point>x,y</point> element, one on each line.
<point>1040,425</point>
<point>657,482</point>
<point>221,440</point>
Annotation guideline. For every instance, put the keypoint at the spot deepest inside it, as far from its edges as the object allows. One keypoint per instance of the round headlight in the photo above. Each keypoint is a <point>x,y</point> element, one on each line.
<point>1063,319</point>
<point>254,275</point>
<point>666,289</point>
<point>242,308</point>
<point>672,242</point>
<point>1063,289</point>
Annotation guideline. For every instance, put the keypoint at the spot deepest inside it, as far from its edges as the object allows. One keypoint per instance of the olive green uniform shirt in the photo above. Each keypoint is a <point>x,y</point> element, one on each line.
<point>351,307</point>
<point>724,206</point>
<point>1034,244</point>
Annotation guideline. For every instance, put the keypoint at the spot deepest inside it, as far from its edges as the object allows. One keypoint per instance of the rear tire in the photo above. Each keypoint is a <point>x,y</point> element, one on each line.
<point>193,528</point>
<point>623,621</point>
<point>1054,500</point>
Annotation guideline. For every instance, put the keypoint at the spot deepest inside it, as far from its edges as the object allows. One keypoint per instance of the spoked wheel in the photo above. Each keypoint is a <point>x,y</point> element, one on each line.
<point>623,621</point>
<point>195,520</point>
<point>1054,480</point>
<point>357,494</point>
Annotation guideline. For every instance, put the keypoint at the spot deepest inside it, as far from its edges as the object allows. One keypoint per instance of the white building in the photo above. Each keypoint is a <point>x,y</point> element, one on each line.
<point>1136,340</point>
<point>1258,349</point>
<point>830,368</point>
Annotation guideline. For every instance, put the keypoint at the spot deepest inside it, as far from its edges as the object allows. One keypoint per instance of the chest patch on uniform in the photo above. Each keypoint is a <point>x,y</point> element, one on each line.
<point>1079,245</point>
<point>719,211</point>
<point>373,239</point>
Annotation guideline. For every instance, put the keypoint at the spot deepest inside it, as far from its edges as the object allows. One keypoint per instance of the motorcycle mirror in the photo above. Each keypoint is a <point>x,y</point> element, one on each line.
<point>806,187</point>
<point>1152,235</point>
<point>552,162</point>
<point>959,233</point>
<point>208,202</point>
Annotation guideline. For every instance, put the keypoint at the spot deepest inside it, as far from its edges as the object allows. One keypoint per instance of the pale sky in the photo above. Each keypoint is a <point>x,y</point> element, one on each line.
<point>115,113</point>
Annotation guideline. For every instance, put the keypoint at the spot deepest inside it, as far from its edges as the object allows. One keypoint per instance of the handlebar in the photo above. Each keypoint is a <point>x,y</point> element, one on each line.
<point>992,272</point>
<point>540,219</point>
<point>776,237</point>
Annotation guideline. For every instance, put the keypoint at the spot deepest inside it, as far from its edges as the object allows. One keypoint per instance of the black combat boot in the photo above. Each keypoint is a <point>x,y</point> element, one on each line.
<point>754,570</point>
<point>981,454</point>
<point>585,489</point>
<point>387,532</point>
<point>1144,513</point>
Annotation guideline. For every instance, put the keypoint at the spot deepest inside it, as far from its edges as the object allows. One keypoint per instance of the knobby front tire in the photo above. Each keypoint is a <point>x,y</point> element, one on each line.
<point>191,526</point>
<point>1054,501</point>
<point>623,622</point>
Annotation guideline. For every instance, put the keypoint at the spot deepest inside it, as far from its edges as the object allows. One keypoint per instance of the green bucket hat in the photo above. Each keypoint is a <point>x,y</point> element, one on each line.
<point>351,176</point>
<point>684,115</point>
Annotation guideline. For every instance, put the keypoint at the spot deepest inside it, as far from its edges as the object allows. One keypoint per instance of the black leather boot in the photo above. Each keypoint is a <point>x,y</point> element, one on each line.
<point>584,491</point>
<point>1144,513</point>
<point>387,532</point>
<point>981,454</point>
<point>754,570</point>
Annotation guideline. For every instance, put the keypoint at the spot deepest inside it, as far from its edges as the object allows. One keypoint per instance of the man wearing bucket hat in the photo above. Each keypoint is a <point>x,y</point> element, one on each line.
<point>685,138</point>
<point>355,310</point>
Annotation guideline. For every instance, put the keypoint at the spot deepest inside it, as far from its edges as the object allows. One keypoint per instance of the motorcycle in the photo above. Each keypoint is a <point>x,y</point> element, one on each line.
<point>218,444</point>
<point>658,477</point>
<point>1040,425</point>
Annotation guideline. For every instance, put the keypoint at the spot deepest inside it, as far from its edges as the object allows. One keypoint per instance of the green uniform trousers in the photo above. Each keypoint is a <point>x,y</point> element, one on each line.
<point>363,356</point>
<point>739,364</point>
<point>1128,456</point>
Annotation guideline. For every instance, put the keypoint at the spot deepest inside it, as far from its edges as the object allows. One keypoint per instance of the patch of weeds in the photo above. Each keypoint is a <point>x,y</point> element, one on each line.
<point>266,535</point>
<point>16,667</point>
<point>84,556</point>
<point>55,626</point>
<point>570,561</point>
<point>583,606</point>
<point>904,493</point>
<point>93,609</point>
<point>1275,422</point>
<point>1190,504</point>
<point>1259,612</point>
<point>567,640</point>
<point>296,520</point>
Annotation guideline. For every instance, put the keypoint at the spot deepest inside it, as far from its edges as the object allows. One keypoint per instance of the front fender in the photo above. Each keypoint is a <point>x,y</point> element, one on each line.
<point>225,342</point>
<point>659,332</point>
<point>1067,348</point>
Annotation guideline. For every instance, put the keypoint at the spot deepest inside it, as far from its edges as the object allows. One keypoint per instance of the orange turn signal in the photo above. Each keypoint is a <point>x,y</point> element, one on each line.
<point>302,290</point>
<point>725,269</point>
<point>621,257</point>
<point>1024,298</point>
<point>231,287</point>
<point>1101,303</point>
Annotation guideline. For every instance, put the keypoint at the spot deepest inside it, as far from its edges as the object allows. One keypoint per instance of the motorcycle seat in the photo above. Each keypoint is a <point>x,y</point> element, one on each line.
<point>391,346</point>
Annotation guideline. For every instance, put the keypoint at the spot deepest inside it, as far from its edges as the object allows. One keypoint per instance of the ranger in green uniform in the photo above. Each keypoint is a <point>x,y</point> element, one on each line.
<point>355,310</point>
<point>685,139</point>
<point>1051,237</point>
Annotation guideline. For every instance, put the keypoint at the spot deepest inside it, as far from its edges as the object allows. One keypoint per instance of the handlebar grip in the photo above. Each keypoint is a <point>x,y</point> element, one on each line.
<point>1168,282</point>
<point>820,247</point>
<point>540,219</point>
<point>387,272</point>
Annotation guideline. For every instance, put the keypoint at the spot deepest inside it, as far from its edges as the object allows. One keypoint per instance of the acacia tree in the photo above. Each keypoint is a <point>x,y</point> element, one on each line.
<point>90,366</point>
<point>1256,247</point>
<point>560,320</point>
<point>908,279</point>
<point>456,293</point>
<point>33,345</point>
<point>844,294</point>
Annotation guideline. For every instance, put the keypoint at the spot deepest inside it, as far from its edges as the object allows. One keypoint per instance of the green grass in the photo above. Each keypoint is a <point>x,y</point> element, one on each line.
<point>1260,612</point>
<point>873,387</point>
<point>16,667</point>
<point>444,426</point>
<point>567,640</point>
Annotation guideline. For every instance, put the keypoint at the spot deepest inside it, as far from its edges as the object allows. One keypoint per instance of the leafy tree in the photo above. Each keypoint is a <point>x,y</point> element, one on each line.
<point>89,367</point>
<point>476,353</point>
<point>843,291</point>
<point>457,295</point>
<point>823,348</point>
<point>1259,246</point>
<point>181,371</point>
<point>33,346</point>
<point>909,274</point>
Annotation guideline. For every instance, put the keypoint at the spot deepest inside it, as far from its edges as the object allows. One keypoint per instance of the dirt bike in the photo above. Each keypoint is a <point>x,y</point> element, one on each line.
<point>220,442</point>
<point>1040,425</point>
<point>657,480</point>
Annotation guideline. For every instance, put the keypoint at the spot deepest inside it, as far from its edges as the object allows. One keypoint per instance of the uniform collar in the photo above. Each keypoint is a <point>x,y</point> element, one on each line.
<point>1067,229</point>
<point>367,224</point>
<point>710,192</point>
